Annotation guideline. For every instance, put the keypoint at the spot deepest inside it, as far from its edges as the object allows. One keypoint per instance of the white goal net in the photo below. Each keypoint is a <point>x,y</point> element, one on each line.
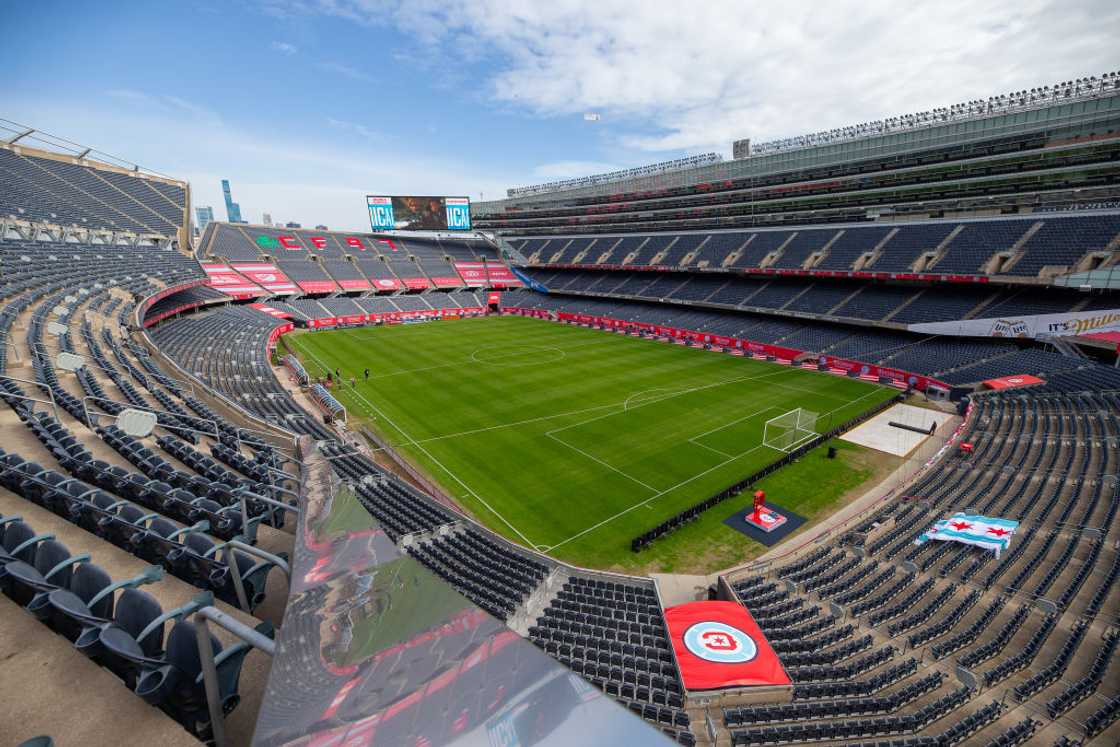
<point>790,430</point>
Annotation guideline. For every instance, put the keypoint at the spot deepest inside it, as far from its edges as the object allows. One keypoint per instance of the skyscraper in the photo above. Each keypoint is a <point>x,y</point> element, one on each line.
<point>203,215</point>
<point>233,210</point>
<point>266,219</point>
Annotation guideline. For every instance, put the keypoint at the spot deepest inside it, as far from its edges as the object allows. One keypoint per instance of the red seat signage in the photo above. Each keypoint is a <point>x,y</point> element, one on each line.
<point>493,274</point>
<point>1011,382</point>
<point>719,645</point>
<point>266,276</point>
<point>227,280</point>
<point>386,284</point>
<point>353,284</point>
<point>317,286</point>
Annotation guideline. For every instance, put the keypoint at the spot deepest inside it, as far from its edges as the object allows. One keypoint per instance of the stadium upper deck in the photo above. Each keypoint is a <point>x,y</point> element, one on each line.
<point>1056,152</point>
<point>74,187</point>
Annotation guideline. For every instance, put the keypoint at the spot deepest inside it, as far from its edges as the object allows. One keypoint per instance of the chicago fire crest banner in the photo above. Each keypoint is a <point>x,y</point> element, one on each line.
<point>719,645</point>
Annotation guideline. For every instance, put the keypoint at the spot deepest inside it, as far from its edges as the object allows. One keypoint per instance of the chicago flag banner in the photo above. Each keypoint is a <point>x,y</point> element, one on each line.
<point>988,532</point>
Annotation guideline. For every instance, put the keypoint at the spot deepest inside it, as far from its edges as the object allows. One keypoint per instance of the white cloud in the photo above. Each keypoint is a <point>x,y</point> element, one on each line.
<point>358,129</point>
<point>163,104</point>
<point>344,70</point>
<point>284,47</point>
<point>696,77</point>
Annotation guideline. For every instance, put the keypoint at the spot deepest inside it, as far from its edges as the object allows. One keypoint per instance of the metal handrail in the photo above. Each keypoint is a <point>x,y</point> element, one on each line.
<point>235,569</point>
<point>37,385</point>
<point>257,640</point>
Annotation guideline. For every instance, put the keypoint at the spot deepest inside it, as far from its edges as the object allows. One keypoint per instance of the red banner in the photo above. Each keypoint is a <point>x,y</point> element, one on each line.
<point>225,279</point>
<point>417,283</point>
<point>283,329</point>
<point>903,379</point>
<point>718,644</point>
<point>927,277</point>
<point>492,274</point>
<point>266,276</point>
<point>351,284</point>
<point>275,313</point>
<point>317,286</point>
<point>386,284</point>
<point>1011,382</point>
<point>446,282</point>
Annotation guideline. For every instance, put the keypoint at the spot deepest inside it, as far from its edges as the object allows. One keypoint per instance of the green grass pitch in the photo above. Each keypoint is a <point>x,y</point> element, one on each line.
<point>573,441</point>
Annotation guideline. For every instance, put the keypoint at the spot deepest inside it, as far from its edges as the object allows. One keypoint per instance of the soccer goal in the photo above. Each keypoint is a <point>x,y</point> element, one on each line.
<point>788,431</point>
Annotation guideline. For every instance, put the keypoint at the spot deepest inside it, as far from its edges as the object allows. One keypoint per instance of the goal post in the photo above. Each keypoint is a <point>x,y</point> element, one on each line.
<point>789,430</point>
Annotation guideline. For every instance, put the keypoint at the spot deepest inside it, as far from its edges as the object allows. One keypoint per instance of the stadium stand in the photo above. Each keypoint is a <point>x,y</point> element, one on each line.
<point>51,188</point>
<point>1014,166</point>
<point>111,541</point>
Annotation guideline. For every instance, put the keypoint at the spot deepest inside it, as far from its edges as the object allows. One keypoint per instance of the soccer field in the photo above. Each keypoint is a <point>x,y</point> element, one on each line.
<point>571,440</point>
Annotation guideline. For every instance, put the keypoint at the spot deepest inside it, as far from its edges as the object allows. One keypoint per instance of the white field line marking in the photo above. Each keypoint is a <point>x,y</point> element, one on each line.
<point>695,442</point>
<point>653,497</point>
<point>621,405</point>
<point>626,404</point>
<point>596,459</point>
<point>435,461</point>
<point>795,444</point>
<point>682,483</point>
<point>723,454</point>
<point>655,400</point>
<point>549,548</point>
<point>733,422</point>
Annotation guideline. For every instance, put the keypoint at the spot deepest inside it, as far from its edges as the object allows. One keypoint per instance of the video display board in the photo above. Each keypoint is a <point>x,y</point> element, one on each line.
<point>419,213</point>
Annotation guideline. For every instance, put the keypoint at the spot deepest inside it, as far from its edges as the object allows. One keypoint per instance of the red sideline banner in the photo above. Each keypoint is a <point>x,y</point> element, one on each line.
<point>283,329</point>
<point>896,376</point>
<point>718,645</point>
<point>928,277</point>
<point>684,334</point>
<point>394,317</point>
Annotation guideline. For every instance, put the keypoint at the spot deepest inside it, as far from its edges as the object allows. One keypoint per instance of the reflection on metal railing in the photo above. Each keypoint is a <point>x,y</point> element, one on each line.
<point>1102,279</point>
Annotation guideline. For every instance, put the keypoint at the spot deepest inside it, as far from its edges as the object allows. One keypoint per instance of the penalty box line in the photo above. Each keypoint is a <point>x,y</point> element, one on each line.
<point>552,434</point>
<point>736,421</point>
<point>682,483</point>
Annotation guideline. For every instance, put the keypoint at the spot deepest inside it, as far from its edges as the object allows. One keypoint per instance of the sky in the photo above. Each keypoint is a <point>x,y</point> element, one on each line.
<point>306,106</point>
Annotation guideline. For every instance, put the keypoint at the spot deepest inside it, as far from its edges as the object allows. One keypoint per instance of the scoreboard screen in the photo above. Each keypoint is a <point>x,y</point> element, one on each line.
<point>413,213</point>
